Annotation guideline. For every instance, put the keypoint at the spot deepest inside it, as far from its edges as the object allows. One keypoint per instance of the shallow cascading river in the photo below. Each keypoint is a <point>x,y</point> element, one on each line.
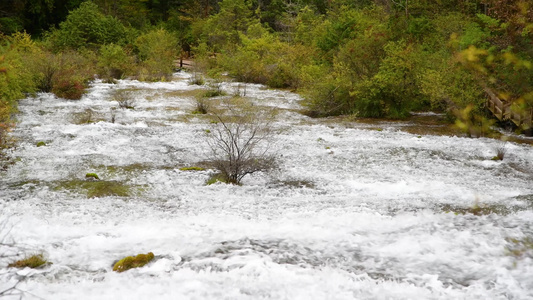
<point>351,212</point>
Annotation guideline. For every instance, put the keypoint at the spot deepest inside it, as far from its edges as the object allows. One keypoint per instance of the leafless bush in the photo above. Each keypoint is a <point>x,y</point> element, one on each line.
<point>202,107</point>
<point>196,78</point>
<point>113,111</point>
<point>85,117</point>
<point>240,143</point>
<point>500,151</point>
<point>215,89</point>
<point>9,250</point>
<point>240,90</point>
<point>124,100</point>
<point>7,244</point>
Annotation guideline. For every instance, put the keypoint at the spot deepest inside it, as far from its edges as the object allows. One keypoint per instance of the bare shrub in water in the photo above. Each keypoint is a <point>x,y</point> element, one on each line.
<point>202,107</point>
<point>500,151</point>
<point>124,99</point>
<point>240,143</point>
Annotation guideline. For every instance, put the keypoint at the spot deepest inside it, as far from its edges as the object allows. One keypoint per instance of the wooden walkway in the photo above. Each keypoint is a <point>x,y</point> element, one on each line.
<point>502,110</point>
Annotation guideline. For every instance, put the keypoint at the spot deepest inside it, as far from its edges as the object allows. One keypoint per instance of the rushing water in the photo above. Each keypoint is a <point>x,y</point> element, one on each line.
<point>350,213</point>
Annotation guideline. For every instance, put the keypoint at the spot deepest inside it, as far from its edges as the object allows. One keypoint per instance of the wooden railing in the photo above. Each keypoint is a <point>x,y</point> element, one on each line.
<point>502,110</point>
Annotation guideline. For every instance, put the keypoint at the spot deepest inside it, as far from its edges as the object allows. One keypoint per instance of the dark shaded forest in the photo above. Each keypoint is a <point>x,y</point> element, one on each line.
<point>367,58</point>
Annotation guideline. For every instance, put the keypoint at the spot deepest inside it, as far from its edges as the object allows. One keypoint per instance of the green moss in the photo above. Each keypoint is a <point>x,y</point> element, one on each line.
<point>97,189</point>
<point>217,177</point>
<point>92,175</point>
<point>192,169</point>
<point>131,262</point>
<point>496,158</point>
<point>34,261</point>
<point>41,143</point>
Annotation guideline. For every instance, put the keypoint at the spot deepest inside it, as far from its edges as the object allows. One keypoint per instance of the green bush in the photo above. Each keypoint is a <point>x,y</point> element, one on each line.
<point>16,81</point>
<point>264,58</point>
<point>114,62</point>
<point>395,86</point>
<point>328,95</point>
<point>158,50</point>
<point>16,78</point>
<point>74,71</point>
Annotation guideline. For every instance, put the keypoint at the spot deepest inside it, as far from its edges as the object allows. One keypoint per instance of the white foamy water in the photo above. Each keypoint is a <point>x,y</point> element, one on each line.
<point>351,213</point>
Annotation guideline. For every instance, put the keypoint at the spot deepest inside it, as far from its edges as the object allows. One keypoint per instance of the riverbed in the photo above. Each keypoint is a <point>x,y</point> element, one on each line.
<point>354,210</point>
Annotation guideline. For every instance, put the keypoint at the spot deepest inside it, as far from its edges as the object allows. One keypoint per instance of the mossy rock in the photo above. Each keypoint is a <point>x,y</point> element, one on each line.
<point>41,144</point>
<point>131,262</point>
<point>192,169</point>
<point>34,261</point>
<point>92,176</point>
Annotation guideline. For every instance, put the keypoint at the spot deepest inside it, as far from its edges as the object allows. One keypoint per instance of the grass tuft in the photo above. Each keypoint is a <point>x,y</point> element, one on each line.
<point>214,93</point>
<point>34,261</point>
<point>192,169</point>
<point>131,262</point>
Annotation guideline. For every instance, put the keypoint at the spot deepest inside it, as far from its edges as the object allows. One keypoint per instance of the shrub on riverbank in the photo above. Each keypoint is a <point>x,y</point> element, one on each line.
<point>16,80</point>
<point>157,50</point>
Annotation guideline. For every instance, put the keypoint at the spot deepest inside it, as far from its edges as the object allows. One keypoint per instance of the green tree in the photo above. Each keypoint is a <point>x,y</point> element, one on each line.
<point>87,27</point>
<point>222,30</point>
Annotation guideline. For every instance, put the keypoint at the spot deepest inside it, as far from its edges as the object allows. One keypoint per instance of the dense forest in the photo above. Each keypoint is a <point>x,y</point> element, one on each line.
<point>368,58</point>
